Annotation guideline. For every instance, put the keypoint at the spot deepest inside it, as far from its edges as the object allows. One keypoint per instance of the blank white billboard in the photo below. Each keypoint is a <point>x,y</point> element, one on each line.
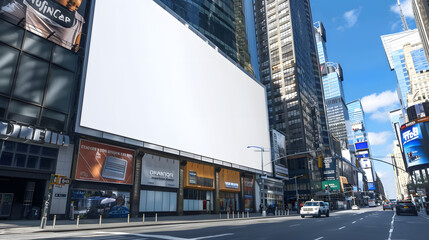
<point>150,78</point>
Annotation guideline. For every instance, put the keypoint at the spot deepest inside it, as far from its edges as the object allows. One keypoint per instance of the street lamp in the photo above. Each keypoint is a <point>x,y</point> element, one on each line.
<point>296,190</point>
<point>262,150</point>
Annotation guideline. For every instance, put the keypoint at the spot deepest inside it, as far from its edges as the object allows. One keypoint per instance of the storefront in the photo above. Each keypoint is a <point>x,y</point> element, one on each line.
<point>27,159</point>
<point>104,175</point>
<point>198,182</point>
<point>160,181</point>
<point>229,189</point>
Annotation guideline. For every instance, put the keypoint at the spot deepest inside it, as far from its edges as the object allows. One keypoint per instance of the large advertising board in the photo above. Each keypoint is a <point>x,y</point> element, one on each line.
<point>361,146</point>
<point>371,186</point>
<point>330,168</point>
<point>415,140</point>
<point>183,94</point>
<point>331,185</point>
<point>60,21</point>
<point>160,171</point>
<point>104,163</point>
<point>279,144</point>
<point>369,174</point>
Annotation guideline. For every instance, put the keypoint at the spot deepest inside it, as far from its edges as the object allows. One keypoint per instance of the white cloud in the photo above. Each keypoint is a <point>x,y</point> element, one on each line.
<point>351,18</point>
<point>380,116</point>
<point>406,6</point>
<point>380,138</point>
<point>375,102</point>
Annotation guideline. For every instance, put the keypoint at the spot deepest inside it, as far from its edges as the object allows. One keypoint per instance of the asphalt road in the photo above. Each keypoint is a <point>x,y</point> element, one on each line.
<point>368,223</point>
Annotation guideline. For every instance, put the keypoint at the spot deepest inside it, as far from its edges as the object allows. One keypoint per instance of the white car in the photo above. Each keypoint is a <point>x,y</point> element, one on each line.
<point>315,209</point>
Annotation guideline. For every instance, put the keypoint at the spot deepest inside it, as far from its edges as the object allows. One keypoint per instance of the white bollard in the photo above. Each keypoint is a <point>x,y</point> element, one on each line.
<point>156,217</point>
<point>143,218</point>
<point>233,215</point>
<point>55,220</point>
<point>227,215</point>
<point>238,214</point>
<point>128,220</point>
<point>243,215</point>
<point>99,222</point>
<point>77,222</point>
<point>247,214</point>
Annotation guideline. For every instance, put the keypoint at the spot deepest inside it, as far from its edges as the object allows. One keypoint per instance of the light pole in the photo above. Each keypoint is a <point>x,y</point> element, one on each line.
<point>296,191</point>
<point>261,149</point>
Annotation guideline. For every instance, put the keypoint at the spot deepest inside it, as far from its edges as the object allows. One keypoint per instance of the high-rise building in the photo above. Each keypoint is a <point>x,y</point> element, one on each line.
<point>418,71</point>
<point>332,78</point>
<point>289,69</point>
<point>401,175</point>
<point>221,21</point>
<point>421,15</point>
<point>394,47</point>
<point>358,140</point>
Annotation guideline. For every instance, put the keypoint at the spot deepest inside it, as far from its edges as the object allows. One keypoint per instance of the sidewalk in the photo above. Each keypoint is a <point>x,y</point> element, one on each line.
<point>29,226</point>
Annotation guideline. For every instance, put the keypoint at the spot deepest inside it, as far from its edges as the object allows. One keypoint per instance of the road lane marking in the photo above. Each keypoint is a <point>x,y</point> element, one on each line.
<point>353,222</point>
<point>294,225</point>
<point>318,238</point>
<point>214,236</point>
<point>391,226</point>
<point>342,227</point>
<point>361,219</point>
<point>166,237</point>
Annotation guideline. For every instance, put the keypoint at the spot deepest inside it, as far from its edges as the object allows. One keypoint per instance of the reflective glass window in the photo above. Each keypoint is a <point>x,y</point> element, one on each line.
<point>22,112</point>
<point>11,34</point>
<point>37,46</point>
<point>64,58</point>
<point>6,159</point>
<point>60,89</point>
<point>53,120</point>
<point>8,61</point>
<point>3,106</point>
<point>20,160</point>
<point>31,79</point>
<point>32,161</point>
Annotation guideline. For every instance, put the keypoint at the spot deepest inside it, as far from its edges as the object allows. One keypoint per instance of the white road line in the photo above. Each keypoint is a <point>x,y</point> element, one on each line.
<point>318,238</point>
<point>214,236</point>
<point>165,237</point>
<point>391,226</point>
<point>342,227</point>
<point>361,219</point>
<point>353,222</point>
<point>294,225</point>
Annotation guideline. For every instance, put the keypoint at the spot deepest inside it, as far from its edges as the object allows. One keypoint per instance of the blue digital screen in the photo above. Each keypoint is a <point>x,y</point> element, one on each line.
<point>371,186</point>
<point>361,145</point>
<point>415,140</point>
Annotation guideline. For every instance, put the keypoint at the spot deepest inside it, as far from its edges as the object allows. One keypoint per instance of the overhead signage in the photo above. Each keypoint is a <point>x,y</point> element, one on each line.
<point>29,133</point>
<point>371,186</point>
<point>281,172</point>
<point>104,163</point>
<point>415,140</point>
<point>58,21</point>
<point>160,171</point>
<point>357,126</point>
<point>365,163</point>
<point>330,167</point>
<point>59,180</point>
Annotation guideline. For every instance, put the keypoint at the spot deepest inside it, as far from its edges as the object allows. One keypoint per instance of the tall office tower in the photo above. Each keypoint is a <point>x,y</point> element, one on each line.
<point>221,21</point>
<point>394,47</point>
<point>290,72</point>
<point>358,140</point>
<point>421,15</point>
<point>332,78</point>
<point>418,71</point>
<point>399,168</point>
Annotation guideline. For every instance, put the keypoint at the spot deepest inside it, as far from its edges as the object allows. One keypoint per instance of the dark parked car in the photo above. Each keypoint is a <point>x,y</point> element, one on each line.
<point>406,207</point>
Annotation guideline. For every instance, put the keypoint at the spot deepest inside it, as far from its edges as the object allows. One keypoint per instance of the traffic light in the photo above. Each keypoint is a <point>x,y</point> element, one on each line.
<point>320,158</point>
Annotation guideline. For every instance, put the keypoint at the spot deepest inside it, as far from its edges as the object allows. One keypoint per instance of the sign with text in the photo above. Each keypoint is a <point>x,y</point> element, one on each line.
<point>331,185</point>
<point>160,171</point>
<point>104,163</point>
<point>415,140</point>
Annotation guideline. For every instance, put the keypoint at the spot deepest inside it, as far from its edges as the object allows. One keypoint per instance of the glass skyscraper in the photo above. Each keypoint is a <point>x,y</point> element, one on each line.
<point>289,69</point>
<point>357,121</point>
<point>221,21</point>
<point>332,78</point>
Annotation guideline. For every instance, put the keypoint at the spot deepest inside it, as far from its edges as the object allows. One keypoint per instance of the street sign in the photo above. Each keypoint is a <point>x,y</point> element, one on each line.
<point>59,180</point>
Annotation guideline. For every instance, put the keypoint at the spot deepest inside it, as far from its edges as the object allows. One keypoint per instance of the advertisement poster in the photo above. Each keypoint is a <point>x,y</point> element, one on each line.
<point>371,186</point>
<point>104,163</point>
<point>279,144</point>
<point>248,193</point>
<point>330,168</point>
<point>60,21</point>
<point>93,203</point>
<point>415,140</point>
<point>331,185</point>
<point>160,171</point>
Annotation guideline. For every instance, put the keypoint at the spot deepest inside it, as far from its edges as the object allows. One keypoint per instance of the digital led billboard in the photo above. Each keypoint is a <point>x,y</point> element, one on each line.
<point>59,21</point>
<point>371,186</point>
<point>361,145</point>
<point>415,140</point>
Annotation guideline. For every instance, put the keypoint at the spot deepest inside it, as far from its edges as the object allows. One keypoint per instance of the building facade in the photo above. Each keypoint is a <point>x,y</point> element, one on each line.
<point>421,15</point>
<point>290,71</point>
<point>402,178</point>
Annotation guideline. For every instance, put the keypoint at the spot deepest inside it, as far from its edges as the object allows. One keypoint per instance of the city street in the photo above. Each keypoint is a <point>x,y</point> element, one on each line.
<point>367,223</point>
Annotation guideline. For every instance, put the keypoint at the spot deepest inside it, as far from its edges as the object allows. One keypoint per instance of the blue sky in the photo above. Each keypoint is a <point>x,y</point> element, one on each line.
<point>353,30</point>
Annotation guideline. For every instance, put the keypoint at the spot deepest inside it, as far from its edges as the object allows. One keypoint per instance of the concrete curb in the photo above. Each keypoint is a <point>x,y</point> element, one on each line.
<point>149,224</point>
